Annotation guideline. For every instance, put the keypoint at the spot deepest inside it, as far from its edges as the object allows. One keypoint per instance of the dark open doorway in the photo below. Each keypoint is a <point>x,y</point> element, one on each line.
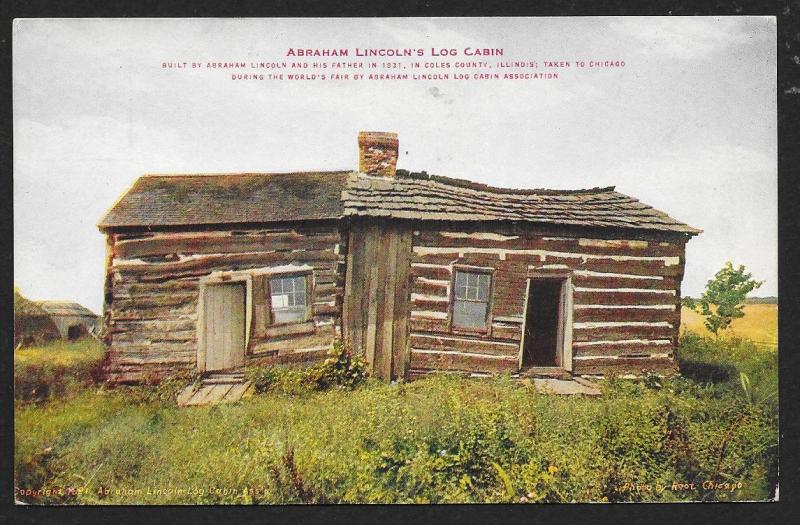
<point>543,324</point>
<point>76,331</point>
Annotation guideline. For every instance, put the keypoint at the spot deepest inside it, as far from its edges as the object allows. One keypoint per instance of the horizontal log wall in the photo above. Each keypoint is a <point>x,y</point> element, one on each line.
<point>152,289</point>
<point>626,298</point>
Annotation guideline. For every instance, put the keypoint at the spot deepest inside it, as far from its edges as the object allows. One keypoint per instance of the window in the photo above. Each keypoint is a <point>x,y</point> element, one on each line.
<point>471,300</point>
<point>288,298</point>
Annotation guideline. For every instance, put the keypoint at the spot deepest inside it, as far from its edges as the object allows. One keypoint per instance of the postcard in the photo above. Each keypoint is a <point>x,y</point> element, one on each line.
<point>395,260</point>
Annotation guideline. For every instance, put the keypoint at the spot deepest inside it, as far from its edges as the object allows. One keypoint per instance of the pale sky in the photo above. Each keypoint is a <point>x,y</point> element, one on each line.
<point>688,125</point>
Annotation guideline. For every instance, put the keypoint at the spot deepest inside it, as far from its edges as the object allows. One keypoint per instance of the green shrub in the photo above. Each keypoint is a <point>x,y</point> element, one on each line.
<point>735,364</point>
<point>707,372</point>
<point>262,378</point>
<point>701,359</point>
<point>342,368</point>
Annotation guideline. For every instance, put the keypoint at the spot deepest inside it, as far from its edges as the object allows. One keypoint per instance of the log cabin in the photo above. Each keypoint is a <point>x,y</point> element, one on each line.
<point>421,273</point>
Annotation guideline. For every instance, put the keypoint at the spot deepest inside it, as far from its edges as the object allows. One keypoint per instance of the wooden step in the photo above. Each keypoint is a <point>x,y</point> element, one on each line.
<point>227,371</point>
<point>218,386</point>
<point>223,380</point>
<point>224,377</point>
<point>545,372</point>
<point>186,394</point>
<point>563,387</point>
<point>208,394</point>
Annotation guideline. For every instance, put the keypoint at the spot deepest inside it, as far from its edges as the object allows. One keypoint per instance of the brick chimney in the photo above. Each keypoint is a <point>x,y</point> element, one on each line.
<point>377,153</point>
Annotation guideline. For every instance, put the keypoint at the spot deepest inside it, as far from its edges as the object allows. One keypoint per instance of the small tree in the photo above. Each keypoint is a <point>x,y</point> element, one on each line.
<point>689,302</point>
<point>726,292</point>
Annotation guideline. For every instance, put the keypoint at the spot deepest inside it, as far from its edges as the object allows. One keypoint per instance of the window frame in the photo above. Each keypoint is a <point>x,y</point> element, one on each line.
<point>309,284</point>
<point>453,328</point>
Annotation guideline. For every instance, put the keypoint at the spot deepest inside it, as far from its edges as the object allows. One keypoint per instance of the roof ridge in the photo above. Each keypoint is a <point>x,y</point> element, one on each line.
<point>55,305</point>
<point>240,174</point>
<point>468,184</point>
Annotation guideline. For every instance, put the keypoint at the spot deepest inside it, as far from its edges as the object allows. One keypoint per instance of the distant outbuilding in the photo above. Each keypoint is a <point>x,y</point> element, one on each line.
<point>73,320</point>
<point>32,324</point>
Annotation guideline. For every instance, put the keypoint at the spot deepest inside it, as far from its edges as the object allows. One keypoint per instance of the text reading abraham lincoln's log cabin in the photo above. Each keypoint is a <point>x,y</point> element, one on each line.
<point>396,52</point>
<point>397,64</point>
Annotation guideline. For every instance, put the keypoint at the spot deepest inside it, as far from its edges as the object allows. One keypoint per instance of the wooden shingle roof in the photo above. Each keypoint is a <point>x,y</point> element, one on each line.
<point>432,197</point>
<point>182,200</point>
<point>66,308</point>
<point>190,200</point>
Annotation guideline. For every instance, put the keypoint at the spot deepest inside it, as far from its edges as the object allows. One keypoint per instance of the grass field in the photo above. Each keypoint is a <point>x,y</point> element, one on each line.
<point>760,323</point>
<point>60,354</point>
<point>55,369</point>
<point>441,439</point>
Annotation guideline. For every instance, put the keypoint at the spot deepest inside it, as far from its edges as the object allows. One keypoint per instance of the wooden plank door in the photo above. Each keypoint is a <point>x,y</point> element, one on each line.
<point>224,314</point>
<point>377,295</point>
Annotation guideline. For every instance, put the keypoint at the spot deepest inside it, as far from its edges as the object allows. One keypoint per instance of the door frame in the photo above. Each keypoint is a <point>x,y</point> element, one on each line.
<point>564,336</point>
<point>216,279</point>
